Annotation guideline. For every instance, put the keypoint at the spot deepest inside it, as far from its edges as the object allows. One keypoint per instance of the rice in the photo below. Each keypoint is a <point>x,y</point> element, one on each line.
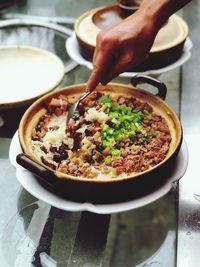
<point>112,137</point>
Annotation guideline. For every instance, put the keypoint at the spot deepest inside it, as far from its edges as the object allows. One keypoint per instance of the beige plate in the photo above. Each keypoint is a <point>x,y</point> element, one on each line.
<point>26,73</point>
<point>173,33</point>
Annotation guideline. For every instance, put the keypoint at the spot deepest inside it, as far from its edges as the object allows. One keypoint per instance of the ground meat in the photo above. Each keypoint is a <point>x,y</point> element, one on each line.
<point>99,146</point>
<point>91,100</point>
<point>44,149</point>
<point>129,138</point>
<point>76,141</point>
<point>117,162</point>
<point>72,127</point>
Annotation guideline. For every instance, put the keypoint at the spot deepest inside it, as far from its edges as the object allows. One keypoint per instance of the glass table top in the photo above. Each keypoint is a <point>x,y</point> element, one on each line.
<point>34,233</point>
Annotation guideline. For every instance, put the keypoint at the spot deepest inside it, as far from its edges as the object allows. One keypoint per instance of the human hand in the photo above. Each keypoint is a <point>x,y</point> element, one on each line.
<point>122,47</point>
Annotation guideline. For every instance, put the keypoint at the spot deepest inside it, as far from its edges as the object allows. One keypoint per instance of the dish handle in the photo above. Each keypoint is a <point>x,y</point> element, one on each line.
<point>25,161</point>
<point>141,78</point>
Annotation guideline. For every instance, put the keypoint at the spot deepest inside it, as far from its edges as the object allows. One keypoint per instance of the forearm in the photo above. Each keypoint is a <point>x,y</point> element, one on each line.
<point>160,10</point>
<point>154,13</point>
<point>128,43</point>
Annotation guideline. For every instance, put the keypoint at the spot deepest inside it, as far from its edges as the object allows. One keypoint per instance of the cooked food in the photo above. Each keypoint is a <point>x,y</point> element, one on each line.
<point>112,136</point>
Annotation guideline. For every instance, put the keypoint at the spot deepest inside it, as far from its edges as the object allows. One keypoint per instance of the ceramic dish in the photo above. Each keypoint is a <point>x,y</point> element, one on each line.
<point>26,73</point>
<point>73,50</point>
<point>101,190</point>
<point>31,183</point>
<point>167,46</point>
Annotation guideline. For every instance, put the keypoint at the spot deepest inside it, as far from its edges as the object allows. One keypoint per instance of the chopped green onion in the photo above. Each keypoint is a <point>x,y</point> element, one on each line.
<point>105,100</point>
<point>149,117</point>
<point>127,122</point>
<point>155,133</point>
<point>133,147</point>
<point>108,160</point>
<point>116,152</point>
<point>131,134</point>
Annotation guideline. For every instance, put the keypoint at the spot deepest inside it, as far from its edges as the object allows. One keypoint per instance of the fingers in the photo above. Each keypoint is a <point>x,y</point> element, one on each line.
<point>121,48</point>
<point>115,71</point>
<point>101,64</point>
<point>94,79</point>
<point>124,62</point>
<point>107,66</point>
<point>103,60</point>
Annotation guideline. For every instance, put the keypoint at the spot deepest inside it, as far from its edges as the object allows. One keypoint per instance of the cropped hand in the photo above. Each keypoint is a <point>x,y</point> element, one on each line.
<point>121,48</point>
<point>127,44</point>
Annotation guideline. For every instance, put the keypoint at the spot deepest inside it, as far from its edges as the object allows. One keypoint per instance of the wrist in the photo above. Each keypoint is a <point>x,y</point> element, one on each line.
<point>147,21</point>
<point>156,11</point>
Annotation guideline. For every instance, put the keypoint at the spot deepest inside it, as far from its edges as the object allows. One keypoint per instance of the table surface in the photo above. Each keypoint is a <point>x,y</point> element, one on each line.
<point>164,233</point>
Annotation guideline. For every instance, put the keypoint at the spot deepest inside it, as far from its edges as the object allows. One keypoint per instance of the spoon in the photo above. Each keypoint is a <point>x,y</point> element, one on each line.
<point>73,109</point>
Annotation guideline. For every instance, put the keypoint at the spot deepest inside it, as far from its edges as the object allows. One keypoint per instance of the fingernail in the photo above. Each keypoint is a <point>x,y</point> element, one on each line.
<point>104,83</point>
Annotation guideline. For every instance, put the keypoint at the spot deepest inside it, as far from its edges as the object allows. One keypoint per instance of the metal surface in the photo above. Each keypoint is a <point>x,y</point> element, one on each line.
<point>35,22</point>
<point>189,186</point>
<point>64,20</point>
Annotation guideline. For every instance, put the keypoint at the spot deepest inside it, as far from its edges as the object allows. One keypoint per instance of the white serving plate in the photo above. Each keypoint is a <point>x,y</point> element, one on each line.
<point>31,184</point>
<point>73,50</point>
